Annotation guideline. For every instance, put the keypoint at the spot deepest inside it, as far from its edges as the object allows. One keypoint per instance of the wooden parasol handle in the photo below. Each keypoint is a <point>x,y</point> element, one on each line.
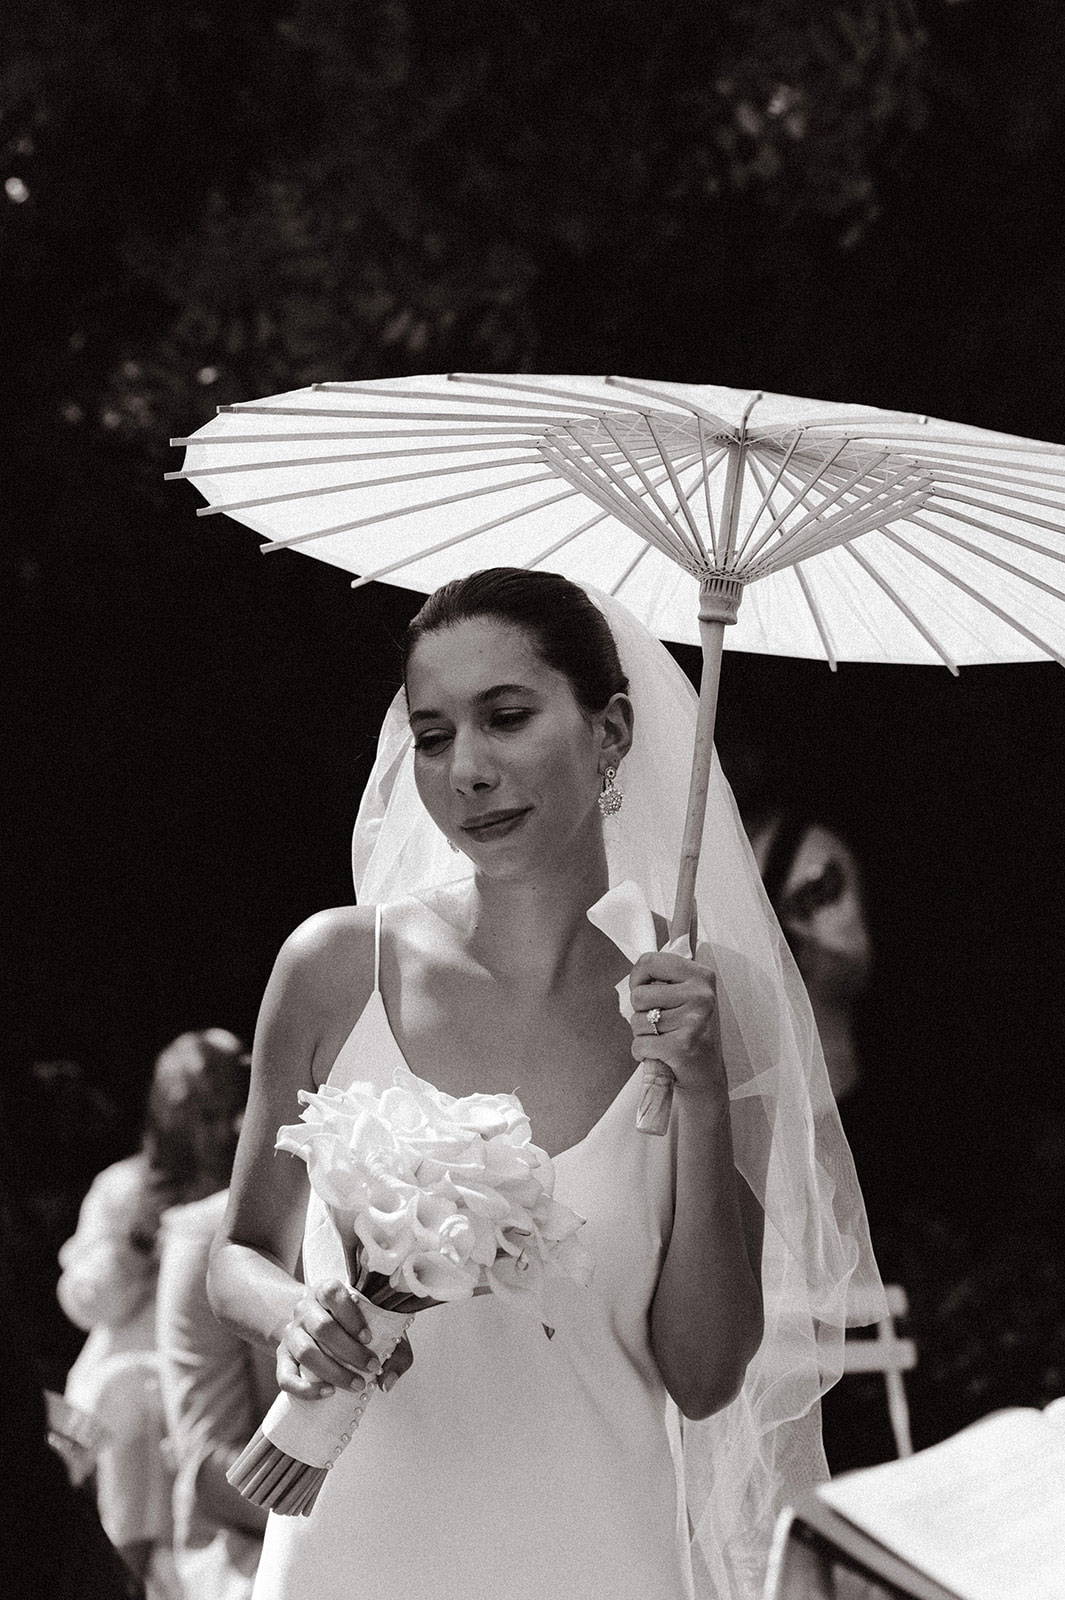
<point>719,599</point>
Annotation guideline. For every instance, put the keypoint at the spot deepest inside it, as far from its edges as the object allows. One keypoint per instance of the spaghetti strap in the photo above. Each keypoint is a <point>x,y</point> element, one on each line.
<point>377,950</point>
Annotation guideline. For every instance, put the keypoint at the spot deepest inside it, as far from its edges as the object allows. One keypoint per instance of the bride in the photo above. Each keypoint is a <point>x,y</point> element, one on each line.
<point>510,920</point>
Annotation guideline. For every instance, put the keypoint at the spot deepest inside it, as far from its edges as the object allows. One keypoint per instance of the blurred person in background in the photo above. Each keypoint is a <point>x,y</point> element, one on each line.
<point>216,1390</point>
<point>108,1285</point>
<point>814,883</point>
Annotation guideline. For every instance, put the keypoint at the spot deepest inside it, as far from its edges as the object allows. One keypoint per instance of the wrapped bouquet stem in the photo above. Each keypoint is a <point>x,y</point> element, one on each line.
<point>283,1465</point>
<point>434,1199</point>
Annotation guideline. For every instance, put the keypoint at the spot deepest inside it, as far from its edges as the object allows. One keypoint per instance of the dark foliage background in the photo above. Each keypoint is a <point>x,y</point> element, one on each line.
<point>207,203</point>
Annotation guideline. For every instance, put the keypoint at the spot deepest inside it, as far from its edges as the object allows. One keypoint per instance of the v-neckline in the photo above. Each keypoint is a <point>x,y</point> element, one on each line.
<point>569,1150</point>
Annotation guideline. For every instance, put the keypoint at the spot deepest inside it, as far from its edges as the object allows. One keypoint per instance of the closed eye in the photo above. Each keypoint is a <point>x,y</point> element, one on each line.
<point>432,742</point>
<point>511,716</point>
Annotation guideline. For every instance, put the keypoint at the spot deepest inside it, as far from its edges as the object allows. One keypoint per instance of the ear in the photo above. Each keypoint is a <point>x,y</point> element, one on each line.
<point>616,725</point>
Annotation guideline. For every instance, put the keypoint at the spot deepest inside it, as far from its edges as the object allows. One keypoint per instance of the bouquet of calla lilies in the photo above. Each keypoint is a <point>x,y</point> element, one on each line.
<point>435,1199</point>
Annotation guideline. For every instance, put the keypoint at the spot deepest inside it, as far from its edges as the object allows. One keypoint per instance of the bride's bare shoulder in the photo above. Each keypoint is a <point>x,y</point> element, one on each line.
<point>331,950</point>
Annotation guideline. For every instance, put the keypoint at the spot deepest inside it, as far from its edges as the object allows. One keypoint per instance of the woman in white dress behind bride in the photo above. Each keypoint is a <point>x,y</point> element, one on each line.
<point>504,904</point>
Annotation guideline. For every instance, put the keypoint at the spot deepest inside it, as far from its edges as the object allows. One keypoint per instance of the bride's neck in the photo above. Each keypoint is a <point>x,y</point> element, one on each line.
<point>532,928</point>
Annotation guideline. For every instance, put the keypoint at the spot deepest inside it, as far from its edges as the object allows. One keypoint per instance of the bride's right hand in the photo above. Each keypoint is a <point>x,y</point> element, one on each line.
<point>323,1346</point>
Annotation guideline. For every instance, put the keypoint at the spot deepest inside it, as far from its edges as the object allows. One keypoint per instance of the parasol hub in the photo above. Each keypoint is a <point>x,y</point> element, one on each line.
<point>720,594</point>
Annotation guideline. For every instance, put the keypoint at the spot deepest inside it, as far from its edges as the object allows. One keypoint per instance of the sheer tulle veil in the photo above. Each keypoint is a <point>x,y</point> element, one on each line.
<point>818,1271</point>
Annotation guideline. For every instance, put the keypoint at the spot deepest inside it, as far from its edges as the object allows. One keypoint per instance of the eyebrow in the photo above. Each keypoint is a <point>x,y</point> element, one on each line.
<point>496,692</point>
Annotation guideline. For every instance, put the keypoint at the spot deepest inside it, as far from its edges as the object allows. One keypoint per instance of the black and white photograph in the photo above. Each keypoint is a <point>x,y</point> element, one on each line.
<point>534,628</point>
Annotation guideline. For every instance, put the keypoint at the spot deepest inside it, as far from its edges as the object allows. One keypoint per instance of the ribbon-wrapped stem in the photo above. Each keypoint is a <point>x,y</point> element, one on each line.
<point>284,1464</point>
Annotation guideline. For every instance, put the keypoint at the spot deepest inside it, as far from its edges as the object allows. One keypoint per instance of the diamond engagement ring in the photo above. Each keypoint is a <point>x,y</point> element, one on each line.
<point>654,1017</point>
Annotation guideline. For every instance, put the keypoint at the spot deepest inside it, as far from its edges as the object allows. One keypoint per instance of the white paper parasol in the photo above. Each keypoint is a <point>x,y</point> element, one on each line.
<point>848,533</point>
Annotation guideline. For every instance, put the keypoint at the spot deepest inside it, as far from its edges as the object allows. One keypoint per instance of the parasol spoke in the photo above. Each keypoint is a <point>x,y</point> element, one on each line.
<point>975,594</point>
<point>907,610</point>
<point>567,538</point>
<point>458,538</point>
<point>295,540</point>
<point>297,462</point>
<point>621,501</point>
<point>514,401</point>
<point>709,468</point>
<point>499,431</point>
<point>616,588</point>
<point>800,497</point>
<point>831,538</point>
<point>682,499</point>
<point>974,477</point>
<point>767,493</point>
<point>653,393</point>
<point>584,400</point>
<point>535,425</point>
<point>1020,516</point>
<point>996,532</point>
<point>989,555</point>
<point>670,517</point>
<point>815,611</point>
<point>987,442</point>
<point>366,483</point>
<point>860,419</point>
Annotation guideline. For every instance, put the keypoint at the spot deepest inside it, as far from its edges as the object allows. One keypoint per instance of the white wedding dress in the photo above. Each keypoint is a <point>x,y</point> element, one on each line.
<point>505,1465</point>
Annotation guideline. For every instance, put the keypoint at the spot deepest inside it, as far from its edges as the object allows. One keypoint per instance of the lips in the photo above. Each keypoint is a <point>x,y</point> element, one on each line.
<point>491,821</point>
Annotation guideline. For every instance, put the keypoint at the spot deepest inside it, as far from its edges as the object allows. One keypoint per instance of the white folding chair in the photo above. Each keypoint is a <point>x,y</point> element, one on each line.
<point>885,1352</point>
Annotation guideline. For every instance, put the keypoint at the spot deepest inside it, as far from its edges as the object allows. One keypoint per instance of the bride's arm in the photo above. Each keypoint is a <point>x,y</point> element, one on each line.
<point>706,1316</point>
<point>252,1282</point>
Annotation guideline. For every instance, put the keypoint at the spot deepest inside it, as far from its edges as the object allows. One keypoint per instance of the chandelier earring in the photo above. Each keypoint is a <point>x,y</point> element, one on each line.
<point>610,797</point>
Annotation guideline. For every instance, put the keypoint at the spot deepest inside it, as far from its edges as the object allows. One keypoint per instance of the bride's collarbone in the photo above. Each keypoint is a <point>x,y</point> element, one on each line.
<point>566,1069</point>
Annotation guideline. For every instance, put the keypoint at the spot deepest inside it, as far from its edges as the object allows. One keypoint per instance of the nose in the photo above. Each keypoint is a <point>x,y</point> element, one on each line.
<point>472,770</point>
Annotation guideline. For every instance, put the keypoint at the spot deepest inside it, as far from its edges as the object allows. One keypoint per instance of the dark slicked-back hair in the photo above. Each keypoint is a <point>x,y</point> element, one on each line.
<point>567,629</point>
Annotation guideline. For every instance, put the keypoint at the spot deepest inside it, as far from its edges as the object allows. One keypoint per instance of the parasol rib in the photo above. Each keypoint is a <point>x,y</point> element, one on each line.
<point>989,444</point>
<point>499,431</point>
<point>542,388</point>
<point>767,495</point>
<point>709,468</point>
<point>907,611</point>
<point>875,522</point>
<point>460,538</point>
<point>988,555</point>
<point>974,594</point>
<point>998,533</point>
<point>321,490</point>
<point>890,487</point>
<point>670,517</point>
<point>982,505</point>
<point>616,588</point>
<point>859,420</point>
<point>298,539</point>
<point>799,497</point>
<point>335,461</point>
<point>672,400</point>
<point>815,611</point>
<point>968,476</point>
<point>512,401</point>
<point>567,538</point>
<point>682,499</point>
<point>638,517</point>
<point>535,425</point>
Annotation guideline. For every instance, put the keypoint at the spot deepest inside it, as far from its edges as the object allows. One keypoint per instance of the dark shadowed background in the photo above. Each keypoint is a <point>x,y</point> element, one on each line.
<point>203,204</point>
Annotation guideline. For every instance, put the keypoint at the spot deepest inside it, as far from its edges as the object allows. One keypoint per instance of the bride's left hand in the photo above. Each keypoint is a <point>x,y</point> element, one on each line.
<point>688,1036</point>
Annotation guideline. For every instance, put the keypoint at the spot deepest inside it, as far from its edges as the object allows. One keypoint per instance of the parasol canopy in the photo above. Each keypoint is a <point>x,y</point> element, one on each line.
<point>855,534</point>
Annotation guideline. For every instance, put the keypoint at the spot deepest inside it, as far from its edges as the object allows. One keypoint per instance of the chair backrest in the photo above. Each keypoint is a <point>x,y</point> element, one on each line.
<point>885,1352</point>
